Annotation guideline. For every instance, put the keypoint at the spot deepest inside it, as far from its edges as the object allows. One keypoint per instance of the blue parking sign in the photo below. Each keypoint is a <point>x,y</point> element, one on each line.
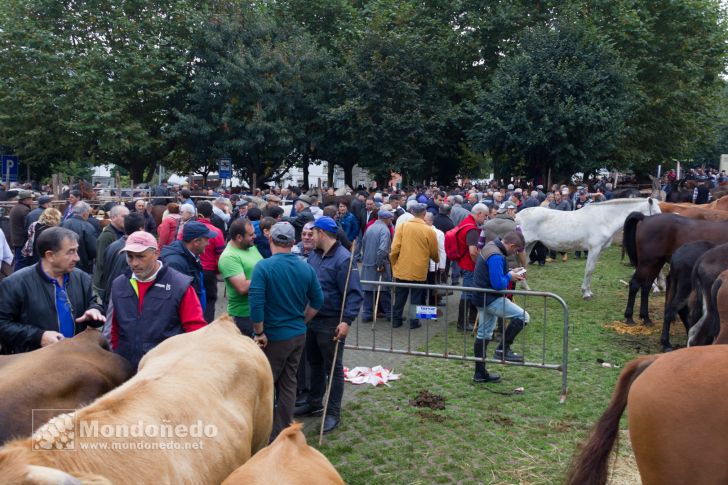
<point>10,163</point>
<point>225,168</point>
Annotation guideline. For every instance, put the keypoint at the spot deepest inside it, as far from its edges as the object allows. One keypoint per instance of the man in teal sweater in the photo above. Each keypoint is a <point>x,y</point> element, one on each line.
<point>284,295</point>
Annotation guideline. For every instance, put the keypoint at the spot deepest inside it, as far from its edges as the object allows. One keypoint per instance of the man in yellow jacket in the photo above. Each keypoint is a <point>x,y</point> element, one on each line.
<point>414,245</point>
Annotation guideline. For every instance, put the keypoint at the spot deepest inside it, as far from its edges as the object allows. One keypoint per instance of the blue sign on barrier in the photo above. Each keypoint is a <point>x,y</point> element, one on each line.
<point>426,312</point>
<point>10,163</point>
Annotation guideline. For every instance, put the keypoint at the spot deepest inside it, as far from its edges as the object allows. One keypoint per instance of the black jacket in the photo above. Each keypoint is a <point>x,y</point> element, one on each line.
<point>86,241</point>
<point>300,220</point>
<point>28,307</point>
<point>177,256</point>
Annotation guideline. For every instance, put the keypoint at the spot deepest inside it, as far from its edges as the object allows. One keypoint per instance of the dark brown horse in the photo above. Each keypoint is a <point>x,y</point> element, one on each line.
<point>680,286</point>
<point>650,241</point>
<point>704,319</point>
<point>719,294</point>
<point>678,417</point>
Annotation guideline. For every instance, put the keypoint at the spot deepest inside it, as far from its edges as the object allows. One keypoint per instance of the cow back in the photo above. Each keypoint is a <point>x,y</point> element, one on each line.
<point>55,379</point>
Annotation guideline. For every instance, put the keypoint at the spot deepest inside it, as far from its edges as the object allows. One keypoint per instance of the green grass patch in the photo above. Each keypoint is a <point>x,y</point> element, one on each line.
<point>485,437</point>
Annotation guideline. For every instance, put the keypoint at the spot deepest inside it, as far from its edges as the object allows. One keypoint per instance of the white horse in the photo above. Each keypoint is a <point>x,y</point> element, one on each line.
<point>590,228</point>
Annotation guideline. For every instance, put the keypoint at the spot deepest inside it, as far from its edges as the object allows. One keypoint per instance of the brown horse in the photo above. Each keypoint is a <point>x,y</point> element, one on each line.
<point>719,294</point>
<point>677,419</point>
<point>704,319</point>
<point>693,211</point>
<point>650,242</point>
<point>680,287</point>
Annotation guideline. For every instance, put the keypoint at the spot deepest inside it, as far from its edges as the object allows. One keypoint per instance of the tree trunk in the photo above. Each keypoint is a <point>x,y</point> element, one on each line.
<point>136,171</point>
<point>349,175</point>
<point>306,162</point>
<point>330,175</point>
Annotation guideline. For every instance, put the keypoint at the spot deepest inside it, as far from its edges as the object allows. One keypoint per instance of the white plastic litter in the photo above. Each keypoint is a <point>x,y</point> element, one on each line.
<point>366,375</point>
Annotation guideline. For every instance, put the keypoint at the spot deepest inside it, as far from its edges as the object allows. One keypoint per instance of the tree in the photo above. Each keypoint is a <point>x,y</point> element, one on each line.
<point>560,103</point>
<point>254,89</point>
<point>677,52</point>
<point>96,80</point>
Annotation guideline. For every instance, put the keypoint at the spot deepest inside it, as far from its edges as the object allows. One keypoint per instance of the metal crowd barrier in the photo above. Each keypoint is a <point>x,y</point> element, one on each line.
<point>440,328</point>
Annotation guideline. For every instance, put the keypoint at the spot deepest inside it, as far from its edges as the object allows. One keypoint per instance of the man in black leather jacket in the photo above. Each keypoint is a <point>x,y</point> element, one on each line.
<point>48,301</point>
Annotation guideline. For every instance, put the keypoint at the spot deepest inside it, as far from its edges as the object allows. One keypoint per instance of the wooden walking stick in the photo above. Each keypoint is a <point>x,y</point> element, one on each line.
<point>376,301</point>
<point>336,347</point>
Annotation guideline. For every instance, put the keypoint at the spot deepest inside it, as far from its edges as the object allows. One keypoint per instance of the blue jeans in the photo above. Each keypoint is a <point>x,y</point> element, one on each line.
<point>469,282</point>
<point>384,301</point>
<point>20,260</point>
<point>501,307</point>
<point>455,273</point>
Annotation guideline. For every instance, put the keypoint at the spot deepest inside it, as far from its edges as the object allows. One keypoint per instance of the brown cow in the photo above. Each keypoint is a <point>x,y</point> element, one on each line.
<point>200,405</point>
<point>62,376</point>
<point>287,461</point>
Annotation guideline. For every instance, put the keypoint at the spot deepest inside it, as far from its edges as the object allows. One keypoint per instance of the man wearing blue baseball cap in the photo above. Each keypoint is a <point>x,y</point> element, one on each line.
<point>184,255</point>
<point>329,328</point>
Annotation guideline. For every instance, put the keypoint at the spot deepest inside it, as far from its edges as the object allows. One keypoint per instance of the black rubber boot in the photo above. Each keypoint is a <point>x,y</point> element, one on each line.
<point>481,375</point>
<point>461,315</point>
<point>512,331</point>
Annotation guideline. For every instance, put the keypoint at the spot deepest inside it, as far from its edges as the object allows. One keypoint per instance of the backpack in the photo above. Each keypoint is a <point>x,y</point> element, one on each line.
<point>453,250</point>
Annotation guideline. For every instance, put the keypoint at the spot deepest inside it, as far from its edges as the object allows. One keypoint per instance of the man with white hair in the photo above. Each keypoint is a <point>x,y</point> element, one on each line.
<point>457,213</point>
<point>78,223</point>
<point>221,209</point>
<point>303,215</point>
<point>407,216</point>
<point>187,213</point>
<point>467,247</point>
<point>111,233</point>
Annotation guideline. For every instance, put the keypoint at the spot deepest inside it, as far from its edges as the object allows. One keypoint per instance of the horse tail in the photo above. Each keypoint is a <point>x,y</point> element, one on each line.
<point>696,310</point>
<point>629,236</point>
<point>713,308</point>
<point>591,465</point>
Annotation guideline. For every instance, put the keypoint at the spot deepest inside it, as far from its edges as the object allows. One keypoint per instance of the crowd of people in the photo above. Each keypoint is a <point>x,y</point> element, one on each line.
<point>289,279</point>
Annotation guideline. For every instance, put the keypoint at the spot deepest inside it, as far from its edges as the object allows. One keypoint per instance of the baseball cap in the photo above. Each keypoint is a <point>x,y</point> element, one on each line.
<point>282,232</point>
<point>507,205</point>
<point>25,194</point>
<point>327,224</point>
<point>44,199</point>
<point>140,241</point>
<point>194,229</point>
<point>241,203</point>
<point>385,214</point>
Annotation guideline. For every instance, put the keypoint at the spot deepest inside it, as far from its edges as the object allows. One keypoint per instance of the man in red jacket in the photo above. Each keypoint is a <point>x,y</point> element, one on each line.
<point>467,237</point>
<point>209,257</point>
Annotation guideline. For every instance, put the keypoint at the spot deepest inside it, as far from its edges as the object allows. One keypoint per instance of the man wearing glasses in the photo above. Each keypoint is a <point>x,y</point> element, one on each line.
<point>50,300</point>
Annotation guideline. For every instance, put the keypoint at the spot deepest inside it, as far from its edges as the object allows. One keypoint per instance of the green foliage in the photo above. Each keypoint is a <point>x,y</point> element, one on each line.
<point>253,89</point>
<point>561,102</point>
<point>389,85</point>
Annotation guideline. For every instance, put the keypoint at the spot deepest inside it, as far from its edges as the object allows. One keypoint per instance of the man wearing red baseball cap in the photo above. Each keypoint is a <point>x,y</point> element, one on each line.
<point>150,302</point>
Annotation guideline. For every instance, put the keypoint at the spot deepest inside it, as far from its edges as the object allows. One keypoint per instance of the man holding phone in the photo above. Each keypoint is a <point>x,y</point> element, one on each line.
<point>491,271</point>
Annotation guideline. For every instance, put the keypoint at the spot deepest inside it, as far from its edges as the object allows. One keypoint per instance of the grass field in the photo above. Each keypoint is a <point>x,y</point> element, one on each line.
<point>486,434</point>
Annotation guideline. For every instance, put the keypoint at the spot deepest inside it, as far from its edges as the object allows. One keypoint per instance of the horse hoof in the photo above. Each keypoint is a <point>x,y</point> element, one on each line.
<point>588,296</point>
<point>629,321</point>
<point>667,349</point>
<point>647,323</point>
